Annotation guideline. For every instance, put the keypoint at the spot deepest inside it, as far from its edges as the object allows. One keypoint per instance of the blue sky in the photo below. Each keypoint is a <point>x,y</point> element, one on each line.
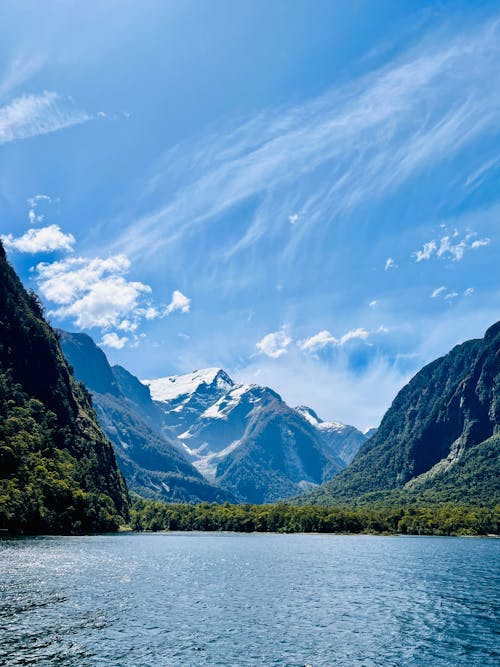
<point>305,194</point>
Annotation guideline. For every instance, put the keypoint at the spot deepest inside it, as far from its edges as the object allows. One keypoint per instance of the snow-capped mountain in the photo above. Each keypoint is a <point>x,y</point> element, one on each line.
<point>247,439</point>
<point>183,398</point>
<point>340,439</point>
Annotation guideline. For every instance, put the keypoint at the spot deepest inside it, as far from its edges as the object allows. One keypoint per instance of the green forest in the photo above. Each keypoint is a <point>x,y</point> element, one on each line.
<point>446,519</point>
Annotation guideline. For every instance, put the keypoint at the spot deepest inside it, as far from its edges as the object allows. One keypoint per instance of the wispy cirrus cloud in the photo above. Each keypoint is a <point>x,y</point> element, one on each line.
<point>326,156</point>
<point>32,115</point>
<point>17,71</point>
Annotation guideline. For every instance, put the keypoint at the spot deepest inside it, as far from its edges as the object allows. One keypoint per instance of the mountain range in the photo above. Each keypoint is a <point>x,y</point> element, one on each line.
<point>200,436</point>
<point>65,428</point>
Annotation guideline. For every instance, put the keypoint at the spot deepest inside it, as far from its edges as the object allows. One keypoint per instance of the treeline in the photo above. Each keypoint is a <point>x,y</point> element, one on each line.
<point>147,515</point>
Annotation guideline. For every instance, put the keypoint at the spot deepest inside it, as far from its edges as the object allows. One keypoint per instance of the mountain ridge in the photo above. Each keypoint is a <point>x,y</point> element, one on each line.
<point>449,409</point>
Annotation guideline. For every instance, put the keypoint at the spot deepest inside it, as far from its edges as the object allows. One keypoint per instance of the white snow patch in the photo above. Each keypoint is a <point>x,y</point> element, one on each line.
<point>223,407</point>
<point>169,388</point>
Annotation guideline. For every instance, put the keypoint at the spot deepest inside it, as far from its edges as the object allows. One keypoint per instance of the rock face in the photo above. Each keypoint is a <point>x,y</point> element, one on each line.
<point>247,440</point>
<point>439,439</point>
<point>58,472</point>
<point>151,460</point>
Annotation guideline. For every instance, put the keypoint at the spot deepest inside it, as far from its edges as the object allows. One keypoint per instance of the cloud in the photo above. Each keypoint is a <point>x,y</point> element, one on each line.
<point>293,218</point>
<point>373,304</point>
<point>19,70</point>
<point>114,341</point>
<point>33,202</point>
<point>480,243</point>
<point>324,338</point>
<point>448,247</point>
<point>469,291</point>
<point>32,115</point>
<point>352,145</point>
<point>274,344</point>
<point>38,240</point>
<point>439,291</point>
<point>179,302</point>
<point>426,252</point>
<point>451,295</point>
<point>455,250</point>
<point>93,292</point>
<point>390,264</point>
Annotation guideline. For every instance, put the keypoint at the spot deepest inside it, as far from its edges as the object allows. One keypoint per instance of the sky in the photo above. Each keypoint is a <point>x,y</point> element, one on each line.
<point>304,194</point>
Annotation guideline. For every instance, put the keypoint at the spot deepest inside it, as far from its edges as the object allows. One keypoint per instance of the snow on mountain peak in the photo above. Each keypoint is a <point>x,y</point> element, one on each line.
<point>308,414</point>
<point>169,388</point>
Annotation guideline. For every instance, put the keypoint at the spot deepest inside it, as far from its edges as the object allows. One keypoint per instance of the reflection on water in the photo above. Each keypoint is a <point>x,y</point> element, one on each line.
<point>265,600</point>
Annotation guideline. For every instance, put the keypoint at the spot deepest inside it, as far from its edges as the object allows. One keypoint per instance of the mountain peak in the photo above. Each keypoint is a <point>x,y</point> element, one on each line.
<point>174,386</point>
<point>308,414</point>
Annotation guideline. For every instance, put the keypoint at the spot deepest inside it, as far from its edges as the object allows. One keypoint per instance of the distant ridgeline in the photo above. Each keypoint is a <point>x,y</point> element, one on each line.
<point>438,442</point>
<point>58,472</point>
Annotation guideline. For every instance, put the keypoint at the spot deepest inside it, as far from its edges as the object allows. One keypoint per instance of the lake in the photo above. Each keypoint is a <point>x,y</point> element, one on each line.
<point>261,599</point>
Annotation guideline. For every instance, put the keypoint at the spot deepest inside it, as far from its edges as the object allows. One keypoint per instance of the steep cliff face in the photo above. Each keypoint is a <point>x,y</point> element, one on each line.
<point>437,434</point>
<point>58,471</point>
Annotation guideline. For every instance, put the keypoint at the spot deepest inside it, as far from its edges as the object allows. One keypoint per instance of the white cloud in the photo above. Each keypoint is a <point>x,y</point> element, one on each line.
<point>93,292</point>
<point>32,115</point>
<point>373,303</point>
<point>352,145</point>
<point>325,338</point>
<point>390,264</point>
<point>179,302</point>
<point>114,341</point>
<point>426,251</point>
<point>293,218</point>
<point>447,247</point>
<point>480,243</point>
<point>469,291</point>
<point>274,344</point>
<point>36,199</point>
<point>43,239</point>
<point>451,295</point>
<point>318,341</point>
<point>17,72</point>
<point>455,250</point>
<point>439,291</point>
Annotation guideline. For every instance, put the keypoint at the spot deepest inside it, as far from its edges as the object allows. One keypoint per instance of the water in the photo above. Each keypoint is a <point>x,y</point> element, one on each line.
<point>236,600</point>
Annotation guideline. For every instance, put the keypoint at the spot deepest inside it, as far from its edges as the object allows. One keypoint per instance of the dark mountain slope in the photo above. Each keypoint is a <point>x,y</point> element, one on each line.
<point>153,465</point>
<point>57,469</point>
<point>437,433</point>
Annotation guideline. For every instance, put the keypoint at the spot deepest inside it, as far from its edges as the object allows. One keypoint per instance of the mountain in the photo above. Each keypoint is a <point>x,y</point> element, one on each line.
<point>440,438</point>
<point>339,439</point>
<point>152,463</point>
<point>58,472</point>
<point>246,439</point>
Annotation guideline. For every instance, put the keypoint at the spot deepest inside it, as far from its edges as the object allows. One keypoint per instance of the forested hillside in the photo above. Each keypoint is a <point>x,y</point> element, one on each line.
<point>58,472</point>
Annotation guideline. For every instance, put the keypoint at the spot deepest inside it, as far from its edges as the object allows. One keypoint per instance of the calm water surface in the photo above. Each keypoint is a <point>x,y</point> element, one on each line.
<point>265,600</point>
